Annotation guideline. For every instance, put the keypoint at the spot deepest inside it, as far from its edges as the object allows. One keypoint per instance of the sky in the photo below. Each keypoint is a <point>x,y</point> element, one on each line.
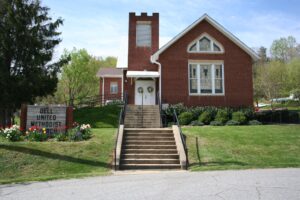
<point>101,26</point>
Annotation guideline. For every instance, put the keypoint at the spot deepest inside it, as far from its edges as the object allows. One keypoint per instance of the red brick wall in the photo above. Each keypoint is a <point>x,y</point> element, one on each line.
<point>107,94</point>
<point>237,71</point>
<point>139,57</point>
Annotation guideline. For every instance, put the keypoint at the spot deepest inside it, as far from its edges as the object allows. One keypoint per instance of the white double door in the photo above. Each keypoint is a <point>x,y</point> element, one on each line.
<point>145,92</point>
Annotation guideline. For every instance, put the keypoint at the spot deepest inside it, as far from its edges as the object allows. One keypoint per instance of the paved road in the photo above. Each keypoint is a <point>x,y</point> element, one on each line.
<point>264,184</point>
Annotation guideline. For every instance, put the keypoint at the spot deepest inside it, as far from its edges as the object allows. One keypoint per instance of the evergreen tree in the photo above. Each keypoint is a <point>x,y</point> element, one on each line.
<point>28,36</point>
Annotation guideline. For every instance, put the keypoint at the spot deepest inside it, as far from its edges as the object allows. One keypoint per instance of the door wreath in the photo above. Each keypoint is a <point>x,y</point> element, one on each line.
<point>150,89</point>
<point>140,90</point>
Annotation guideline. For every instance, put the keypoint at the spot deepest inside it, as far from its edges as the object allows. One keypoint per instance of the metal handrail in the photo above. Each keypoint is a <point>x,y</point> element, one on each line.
<point>121,121</point>
<point>181,135</point>
<point>160,108</point>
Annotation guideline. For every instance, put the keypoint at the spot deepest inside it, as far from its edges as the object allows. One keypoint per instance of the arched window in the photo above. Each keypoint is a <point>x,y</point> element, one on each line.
<point>205,44</point>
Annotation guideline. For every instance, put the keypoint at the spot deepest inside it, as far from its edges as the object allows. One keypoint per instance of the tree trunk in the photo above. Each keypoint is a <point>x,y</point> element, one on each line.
<point>5,117</point>
<point>2,118</point>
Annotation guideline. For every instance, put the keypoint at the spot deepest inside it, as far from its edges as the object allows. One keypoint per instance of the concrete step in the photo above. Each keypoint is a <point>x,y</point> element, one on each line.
<point>163,134</point>
<point>149,147</point>
<point>156,130</point>
<point>150,166</point>
<point>150,161</point>
<point>145,142</point>
<point>150,156</point>
<point>149,151</point>
<point>156,138</point>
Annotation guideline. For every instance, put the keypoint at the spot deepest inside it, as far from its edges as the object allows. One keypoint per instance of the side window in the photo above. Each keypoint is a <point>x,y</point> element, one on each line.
<point>113,87</point>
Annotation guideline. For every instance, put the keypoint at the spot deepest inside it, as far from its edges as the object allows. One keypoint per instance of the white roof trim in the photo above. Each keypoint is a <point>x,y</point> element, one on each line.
<point>142,74</point>
<point>215,24</point>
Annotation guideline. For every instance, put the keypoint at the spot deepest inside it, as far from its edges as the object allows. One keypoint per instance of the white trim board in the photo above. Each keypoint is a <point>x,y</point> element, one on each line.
<point>215,24</point>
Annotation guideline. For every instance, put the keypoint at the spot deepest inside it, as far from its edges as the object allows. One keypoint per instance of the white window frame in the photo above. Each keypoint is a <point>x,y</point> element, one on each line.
<point>113,84</point>
<point>213,41</point>
<point>212,63</point>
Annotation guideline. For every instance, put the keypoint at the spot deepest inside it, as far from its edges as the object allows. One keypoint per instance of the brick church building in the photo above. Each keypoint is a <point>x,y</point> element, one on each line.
<point>204,65</point>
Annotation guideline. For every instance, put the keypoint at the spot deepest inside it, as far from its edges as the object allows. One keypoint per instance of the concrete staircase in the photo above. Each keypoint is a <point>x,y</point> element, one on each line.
<point>147,116</point>
<point>149,148</point>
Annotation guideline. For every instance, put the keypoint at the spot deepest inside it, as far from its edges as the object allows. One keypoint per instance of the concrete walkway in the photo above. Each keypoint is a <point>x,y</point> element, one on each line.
<point>242,184</point>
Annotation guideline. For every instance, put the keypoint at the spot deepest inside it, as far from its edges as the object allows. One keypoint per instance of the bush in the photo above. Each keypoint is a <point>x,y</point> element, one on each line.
<point>240,117</point>
<point>222,116</point>
<point>205,117</point>
<point>179,108</point>
<point>232,123</point>
<point>13,133</point>
<point>196,123</point>
<point>36,134</point>
<point>254,122</point>
<point>277,116</point>
<point>185,118</point>
<point>114,102</point>
<point>79,133</point>
<point>61,137</point>
<point>216,123</point>
<point>170,124</point>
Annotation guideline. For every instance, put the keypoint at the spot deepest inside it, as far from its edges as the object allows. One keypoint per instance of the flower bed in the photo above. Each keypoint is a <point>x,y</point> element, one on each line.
<point>76,133</point>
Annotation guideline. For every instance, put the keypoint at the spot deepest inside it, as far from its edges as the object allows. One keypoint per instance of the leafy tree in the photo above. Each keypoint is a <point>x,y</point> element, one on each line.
<point>271,79</point>
<point>28,36</point>
<point>293,80</point>
<point>285,49</point>
<point>78,78</point>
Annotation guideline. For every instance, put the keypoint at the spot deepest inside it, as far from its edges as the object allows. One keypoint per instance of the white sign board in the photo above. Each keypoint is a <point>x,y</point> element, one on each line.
<point>53,118</point>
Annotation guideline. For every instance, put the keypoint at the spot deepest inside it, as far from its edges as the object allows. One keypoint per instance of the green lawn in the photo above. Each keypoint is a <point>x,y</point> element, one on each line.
<point>241,147</point>
<point>33,161</point>
<point>98,117</point>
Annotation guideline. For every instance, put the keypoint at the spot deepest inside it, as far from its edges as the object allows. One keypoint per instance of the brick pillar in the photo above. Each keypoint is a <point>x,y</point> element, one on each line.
<point>23,117</point>
<point>69,118</point>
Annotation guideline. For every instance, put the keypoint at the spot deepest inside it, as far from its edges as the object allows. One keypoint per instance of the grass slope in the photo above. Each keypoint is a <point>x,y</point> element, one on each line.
<point>33,161</point>
<point>240,147</point>
<point>98,117</point>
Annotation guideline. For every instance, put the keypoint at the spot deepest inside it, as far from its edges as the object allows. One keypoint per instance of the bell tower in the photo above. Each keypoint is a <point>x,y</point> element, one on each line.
<point>143,41</point>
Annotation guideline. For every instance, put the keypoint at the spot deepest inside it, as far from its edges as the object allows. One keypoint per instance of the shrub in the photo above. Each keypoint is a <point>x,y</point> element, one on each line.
<point>254,122</point>
<point>170,124</point>
<point>216,123</point>
<point>232,123</point>
<point>185,118</point>
<point>115,102</point>
<point>205,117</point>
<point>240,117</point>
<point>79,133</point>
<point>196,111</point>
<point>74,134</point>
<point>294,117</point>
<point>13,133</point>
<point>277,116</point>
<point>222,116</point>
<point>86,131</point>
<point>37,134</point>
<point>196,123</point>
<point>61,137</point>
<point>179,108</point>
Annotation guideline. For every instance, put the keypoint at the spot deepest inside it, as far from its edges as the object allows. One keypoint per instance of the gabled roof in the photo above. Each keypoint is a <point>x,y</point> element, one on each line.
<point>215,24</point>
<point>110,72</point>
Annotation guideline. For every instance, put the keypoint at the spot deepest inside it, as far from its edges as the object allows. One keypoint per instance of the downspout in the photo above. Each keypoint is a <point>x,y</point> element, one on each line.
<point>103,92</point>
<point>153,60</point>
<point>122,93</point>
